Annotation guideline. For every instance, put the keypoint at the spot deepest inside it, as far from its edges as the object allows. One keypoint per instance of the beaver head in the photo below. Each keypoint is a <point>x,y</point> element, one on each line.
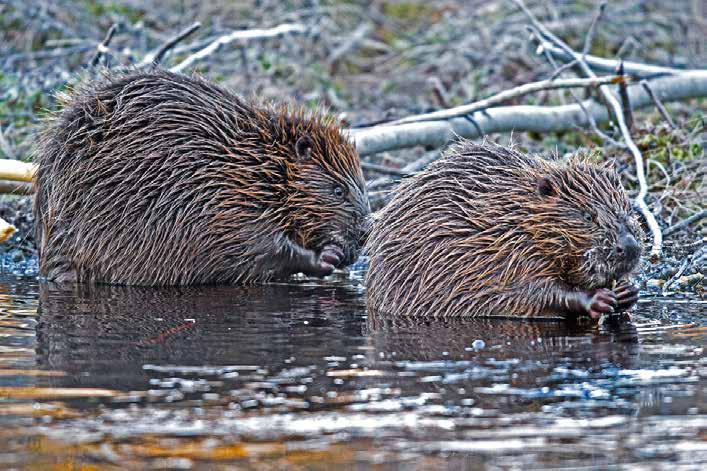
<point>325,192</point>
<point>584,216</point>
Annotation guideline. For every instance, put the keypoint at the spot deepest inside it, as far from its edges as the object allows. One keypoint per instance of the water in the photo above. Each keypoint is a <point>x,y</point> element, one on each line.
<point>299,377</point>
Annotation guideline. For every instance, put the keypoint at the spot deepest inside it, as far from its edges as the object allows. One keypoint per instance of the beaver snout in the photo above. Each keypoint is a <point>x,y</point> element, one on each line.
<point>627,249</point>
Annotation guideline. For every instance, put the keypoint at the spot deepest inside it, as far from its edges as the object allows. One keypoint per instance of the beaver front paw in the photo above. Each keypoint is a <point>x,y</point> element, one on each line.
<point>626,295</point>
<point>600,301</point>
<point>593,303</point>
<point>329,258</point>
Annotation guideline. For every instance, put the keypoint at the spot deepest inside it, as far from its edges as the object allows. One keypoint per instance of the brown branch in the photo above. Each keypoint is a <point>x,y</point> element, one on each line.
<point>658,104</point>
<point>102,48</point>
<point>166,47</point>
<point>685,222</point>
<point>625,102</point>
<point>383,169</point>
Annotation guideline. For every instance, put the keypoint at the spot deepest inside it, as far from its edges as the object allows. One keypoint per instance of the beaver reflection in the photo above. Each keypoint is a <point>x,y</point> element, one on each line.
<point>102,335</point>
<point>583,344</point>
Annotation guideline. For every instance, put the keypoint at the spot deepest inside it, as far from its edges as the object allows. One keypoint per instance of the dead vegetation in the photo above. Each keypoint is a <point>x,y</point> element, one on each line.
<point>380,61</point>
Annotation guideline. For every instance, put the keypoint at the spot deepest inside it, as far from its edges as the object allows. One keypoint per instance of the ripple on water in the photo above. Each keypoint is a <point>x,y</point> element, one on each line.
<point>298,373</point>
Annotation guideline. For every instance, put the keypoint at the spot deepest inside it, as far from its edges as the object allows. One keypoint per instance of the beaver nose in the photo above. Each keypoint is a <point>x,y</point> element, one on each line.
<point>628,248</point>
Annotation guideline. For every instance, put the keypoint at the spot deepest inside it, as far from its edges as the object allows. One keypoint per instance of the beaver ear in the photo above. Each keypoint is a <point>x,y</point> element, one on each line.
<point>545,187</point>
<point>303,148</point>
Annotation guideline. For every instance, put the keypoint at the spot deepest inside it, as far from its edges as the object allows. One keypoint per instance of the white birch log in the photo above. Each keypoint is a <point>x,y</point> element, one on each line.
<point>502,119</point>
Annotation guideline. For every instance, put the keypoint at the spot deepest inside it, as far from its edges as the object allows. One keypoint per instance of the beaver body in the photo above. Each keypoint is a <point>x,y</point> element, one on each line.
<point>161,179</point>
<point>489,231</point>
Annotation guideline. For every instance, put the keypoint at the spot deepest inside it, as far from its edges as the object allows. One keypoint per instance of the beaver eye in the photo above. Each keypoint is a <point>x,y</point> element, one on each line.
<point>587,217</point>
<point>338,192</point>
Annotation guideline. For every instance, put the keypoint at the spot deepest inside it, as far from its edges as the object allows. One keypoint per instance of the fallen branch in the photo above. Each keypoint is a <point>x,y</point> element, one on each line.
<point>626,110</point>
<point>608,65</point>
<point>685,222</point>
<point>243,35</point>
<point>524,118</point>
<point>507,95</point>
<point>658,104</point>
<point>8,187</point>
<point>350,44</point>
<point>6,230</point>
<point>102,48</point>
<point>157,57</point>
<point>382,169</point>
<point>16,170</point>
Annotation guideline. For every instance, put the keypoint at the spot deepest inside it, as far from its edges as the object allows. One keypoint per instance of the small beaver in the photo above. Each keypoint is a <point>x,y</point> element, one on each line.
<point>487,230</point>
<point>155,178</point>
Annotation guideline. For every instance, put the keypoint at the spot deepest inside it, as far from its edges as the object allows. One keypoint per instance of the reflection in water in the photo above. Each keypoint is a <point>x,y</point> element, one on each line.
<point>107,333</point>
<point>250,374</point>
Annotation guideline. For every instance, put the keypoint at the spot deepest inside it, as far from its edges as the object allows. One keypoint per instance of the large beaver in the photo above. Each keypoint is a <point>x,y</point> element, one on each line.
<point>154,178</point>
<point>487,230</point>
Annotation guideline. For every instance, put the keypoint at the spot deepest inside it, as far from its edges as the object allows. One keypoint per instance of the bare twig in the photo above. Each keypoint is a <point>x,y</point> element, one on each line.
<point>439,92</point>
<point>349,45</point>
<point>558,71</point>
<point>592,30</point>
<point>15,188</point>
<point>383,169</point>
<point>242,35</point>
<point>658,104</point>
<point>685,222</point>
<point>506,95</point>
<point>636,69</point>
<point>625,102</point>
<point>157,57</point>
<point>616,108</point>
<point>102,48</point>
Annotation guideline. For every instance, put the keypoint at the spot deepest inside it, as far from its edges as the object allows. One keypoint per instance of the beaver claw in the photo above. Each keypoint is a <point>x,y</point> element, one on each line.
<point>626,295</point>
<point>593,303</point>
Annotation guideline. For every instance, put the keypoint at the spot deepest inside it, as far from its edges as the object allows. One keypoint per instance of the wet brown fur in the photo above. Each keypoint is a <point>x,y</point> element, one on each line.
<point>155,178</point>
<point>487,230</point>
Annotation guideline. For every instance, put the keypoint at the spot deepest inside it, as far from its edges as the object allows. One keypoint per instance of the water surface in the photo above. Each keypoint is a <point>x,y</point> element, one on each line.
<point>298,376</point>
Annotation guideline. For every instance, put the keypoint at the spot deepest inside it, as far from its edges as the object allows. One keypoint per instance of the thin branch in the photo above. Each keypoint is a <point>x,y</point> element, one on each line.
<point>658,104</point>
<point>102,48</point>
<point>15,188</point>
<point>625,101</point>
<point>636,69</point>
<point>616,108</point>
<point>685,222</point>
<point>349,45</point>
<point>592,30</point>
<point>507,95</point>
<point>383,169</point>
<point>241,36</point>
<point>157,57</point>
<point>559,70</point>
